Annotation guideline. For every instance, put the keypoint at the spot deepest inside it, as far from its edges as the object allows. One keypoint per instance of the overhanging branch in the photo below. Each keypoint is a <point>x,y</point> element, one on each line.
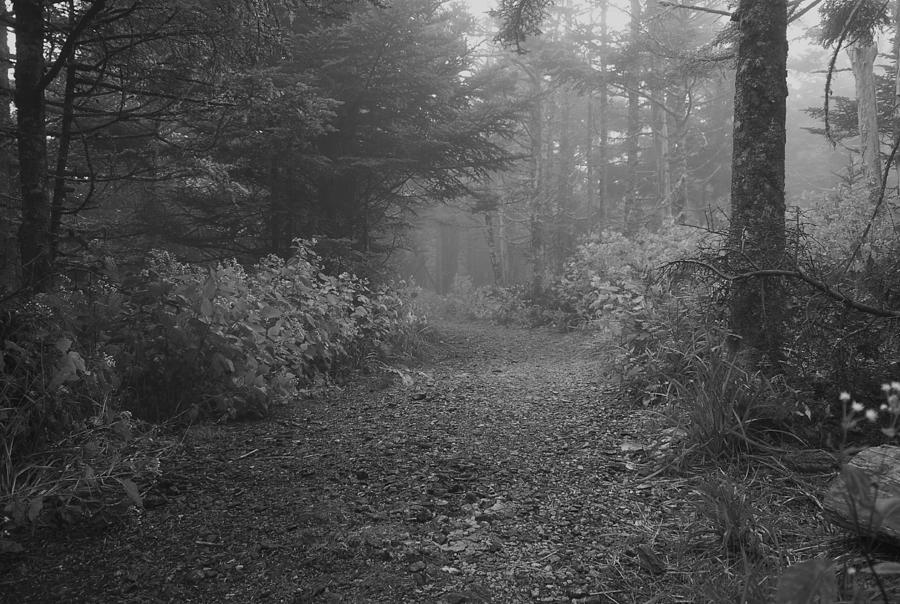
<point>701,9</point>
<point>821,286</point>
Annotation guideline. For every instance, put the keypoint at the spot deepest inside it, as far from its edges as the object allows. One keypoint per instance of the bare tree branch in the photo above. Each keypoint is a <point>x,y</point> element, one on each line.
<point>821,286</point>
<point>797,14</point>
<point>701,9</point>
<point>69,45</point>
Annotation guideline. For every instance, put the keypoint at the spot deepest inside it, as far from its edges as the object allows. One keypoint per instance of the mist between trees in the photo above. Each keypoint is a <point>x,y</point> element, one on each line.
<point>211,207</point>
<point>219,174</point>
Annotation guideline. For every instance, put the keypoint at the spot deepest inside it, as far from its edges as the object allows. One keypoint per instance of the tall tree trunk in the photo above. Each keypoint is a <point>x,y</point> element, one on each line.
<point>58,200</point>
<point>536,220</point>
<point>503,245</point>
<point>280,235</point>
<point>9,202</point>
<point>659,118</point>
<point>662,152</point>
<point>757,233</point>
<point>590,190</point>
<point>862,59</point>
<point>35,241</point>
<point>447,257</point>
<point>603,119</point>
<point>493,251</point>
<point>631,212</point>
<point>896,53</point>
<point>678,165</point>
<point>563,227</point>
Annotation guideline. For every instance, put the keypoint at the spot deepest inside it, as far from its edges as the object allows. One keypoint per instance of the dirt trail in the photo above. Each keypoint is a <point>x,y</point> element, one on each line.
<point>497,476</point>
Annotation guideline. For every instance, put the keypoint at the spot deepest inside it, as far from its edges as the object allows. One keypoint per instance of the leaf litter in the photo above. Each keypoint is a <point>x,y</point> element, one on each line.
<point>505,469</point>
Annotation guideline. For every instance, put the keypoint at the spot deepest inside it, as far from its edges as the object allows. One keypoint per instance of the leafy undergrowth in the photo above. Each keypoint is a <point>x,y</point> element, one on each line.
<point>505,470</point>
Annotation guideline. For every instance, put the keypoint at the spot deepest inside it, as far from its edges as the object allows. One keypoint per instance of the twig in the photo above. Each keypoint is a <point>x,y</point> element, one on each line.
<point>247,454</point>
<point>884,181</point>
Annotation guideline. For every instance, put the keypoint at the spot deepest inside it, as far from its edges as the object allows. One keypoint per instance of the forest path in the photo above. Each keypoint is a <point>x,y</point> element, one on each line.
<point>499,475</point>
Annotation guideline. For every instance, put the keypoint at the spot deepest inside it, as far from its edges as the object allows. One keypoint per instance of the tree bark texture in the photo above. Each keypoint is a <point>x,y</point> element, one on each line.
<point>9,202</point>
<point>64,143</point>
<point>757,233</point>
<point>862,59</point>
<point>35,241</point>
<point>896,53</point>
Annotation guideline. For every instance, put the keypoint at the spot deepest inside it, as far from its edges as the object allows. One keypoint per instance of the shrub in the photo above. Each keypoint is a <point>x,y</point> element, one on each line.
<point>232,341</point>
<point>503,305</point>
<point>224,341</point>
<point>831,343</point>
<point>609,274</point>
<point>53,373</point>
<point>58,379</point>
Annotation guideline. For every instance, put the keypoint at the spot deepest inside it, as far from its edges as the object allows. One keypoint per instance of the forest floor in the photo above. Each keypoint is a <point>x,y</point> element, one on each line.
<point>505,468</point>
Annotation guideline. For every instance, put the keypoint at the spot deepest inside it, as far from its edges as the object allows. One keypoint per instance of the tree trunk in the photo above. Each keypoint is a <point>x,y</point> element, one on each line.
<point>448,257</point>
<point>757,233</point>
<point>663,173</point>
<point>678,154</point>
<point>862,59</point>
<point>537,183</point>
<point>563,211</point>
<point>603,119</point>
<point>631,214</point>
<point>9,203</point>
<point>660,121</point>
<point>35,242</point>
<point>58,200</point>
<point>896,130</point>
<point>493,252</point>
<point>589,184</point>
<point>503,244</point>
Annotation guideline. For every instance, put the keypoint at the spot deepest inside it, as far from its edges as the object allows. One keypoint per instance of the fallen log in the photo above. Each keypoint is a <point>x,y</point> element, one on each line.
<point>865,497</point>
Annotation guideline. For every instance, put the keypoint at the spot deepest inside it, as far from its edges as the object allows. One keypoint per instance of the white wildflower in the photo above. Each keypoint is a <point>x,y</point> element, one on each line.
<point>844,397</point>
<point>894,404</point>
<point>872,415</point>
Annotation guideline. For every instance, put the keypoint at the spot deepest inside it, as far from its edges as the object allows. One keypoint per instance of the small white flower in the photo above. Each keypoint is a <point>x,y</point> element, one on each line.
<point>883,407</point>
<point>871,415</point>
<point>857,407</point>
<point>894,404</point>
<point>885,388</point>
<point>844,397</point>
<point>895,386</point>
